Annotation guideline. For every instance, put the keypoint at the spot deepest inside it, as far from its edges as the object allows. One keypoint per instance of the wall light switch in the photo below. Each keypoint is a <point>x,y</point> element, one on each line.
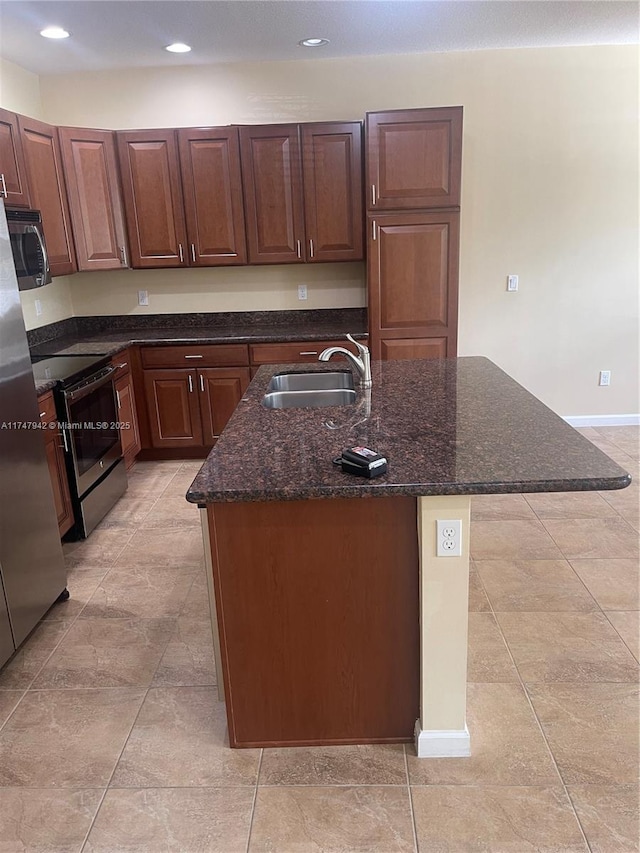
<point>38,308</point>
<point>512,283</point>
<point>143,297</point>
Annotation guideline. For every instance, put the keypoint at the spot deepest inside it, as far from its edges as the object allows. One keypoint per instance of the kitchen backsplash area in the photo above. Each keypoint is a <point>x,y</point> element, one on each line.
<point>264,288</point>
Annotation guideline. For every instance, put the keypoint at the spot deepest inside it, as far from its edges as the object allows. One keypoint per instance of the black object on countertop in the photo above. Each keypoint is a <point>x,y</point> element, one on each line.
<point>362,461</point>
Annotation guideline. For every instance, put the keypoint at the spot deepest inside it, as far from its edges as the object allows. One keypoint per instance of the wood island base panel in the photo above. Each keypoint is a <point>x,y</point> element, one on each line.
<point>318,616</point>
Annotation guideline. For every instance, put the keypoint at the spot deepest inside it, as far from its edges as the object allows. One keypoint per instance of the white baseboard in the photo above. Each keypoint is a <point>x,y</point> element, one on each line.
<point>442,743</point>
<point>602,420</point>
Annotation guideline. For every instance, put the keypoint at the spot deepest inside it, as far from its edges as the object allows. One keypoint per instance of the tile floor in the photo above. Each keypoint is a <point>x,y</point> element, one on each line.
<point>111,737</point>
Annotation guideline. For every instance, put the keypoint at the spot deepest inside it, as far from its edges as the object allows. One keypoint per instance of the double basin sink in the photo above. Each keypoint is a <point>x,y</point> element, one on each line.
<point>310,390</point>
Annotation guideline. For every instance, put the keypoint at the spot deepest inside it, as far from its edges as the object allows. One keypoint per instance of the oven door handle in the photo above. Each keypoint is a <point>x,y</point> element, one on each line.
<point>81,392</point>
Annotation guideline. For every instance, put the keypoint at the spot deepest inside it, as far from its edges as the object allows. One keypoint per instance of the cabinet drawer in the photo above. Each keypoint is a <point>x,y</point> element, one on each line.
<point>47,408</point>
<point>300,351</point>
<point>122,364</point>
<point>208,355</point>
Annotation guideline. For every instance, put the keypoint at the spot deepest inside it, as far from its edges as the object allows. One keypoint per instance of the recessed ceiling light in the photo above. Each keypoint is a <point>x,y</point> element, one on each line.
<point>178,47</point>
<point>54,33</point>
<point>313,42</point>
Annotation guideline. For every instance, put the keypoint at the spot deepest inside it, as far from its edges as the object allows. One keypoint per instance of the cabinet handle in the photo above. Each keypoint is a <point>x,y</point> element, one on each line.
<point>309,352</point>
<point>64,440</point>
<point>123,365</point>
<point>202,383</point>
<point>181,253</point>
<point>299,248</point>
<point>193,252</point>
<point>42,414</point>
<point>4,186</point>
<point>123,256</point>
<point>310,247</point>
<point>375,230</point>
<point>373,194</point>
<point>190,384</point>
<point>194,356</point>
<point>118,399</point>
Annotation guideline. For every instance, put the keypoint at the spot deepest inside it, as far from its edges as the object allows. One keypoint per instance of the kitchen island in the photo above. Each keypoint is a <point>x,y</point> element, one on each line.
<point>336,620</point>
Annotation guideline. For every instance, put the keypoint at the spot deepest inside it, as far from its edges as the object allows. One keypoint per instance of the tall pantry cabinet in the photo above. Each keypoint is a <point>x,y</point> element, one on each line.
<point>413,167</point>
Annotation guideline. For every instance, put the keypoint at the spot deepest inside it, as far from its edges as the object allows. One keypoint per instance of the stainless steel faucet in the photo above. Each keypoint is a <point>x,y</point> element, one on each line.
<point>362,364</point>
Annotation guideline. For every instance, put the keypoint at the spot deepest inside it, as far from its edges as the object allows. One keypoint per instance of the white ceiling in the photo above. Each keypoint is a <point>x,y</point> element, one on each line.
<point>107,34</point>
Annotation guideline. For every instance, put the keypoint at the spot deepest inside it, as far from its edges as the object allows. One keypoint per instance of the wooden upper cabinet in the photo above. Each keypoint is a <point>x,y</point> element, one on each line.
<point>48,191</point>
<point>152,193</point>
<point>414,159</point>
<point>93,184</point>
<point>413,283</point>
<point>332,167</point>
<point>272,181</point>
<point>212,187</point>
<point>13,173</point>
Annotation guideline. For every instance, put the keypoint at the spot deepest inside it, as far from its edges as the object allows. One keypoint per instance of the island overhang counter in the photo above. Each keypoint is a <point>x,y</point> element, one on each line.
<point>335,620</point>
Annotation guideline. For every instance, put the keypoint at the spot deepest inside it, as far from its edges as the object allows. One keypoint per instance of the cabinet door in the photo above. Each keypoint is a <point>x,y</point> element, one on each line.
<point>220,392</point>
<point>272,181</point>
<point>210,163</point>
<point>13,171</point>
<point>152,197</point>
<point>93,184</point>
<point>413,278</point>
<point>59,482</point>
<point>332,167</point>
<point>414,158</point>
<point>129,436</point>
<point>172,405</point>
<point>49,191</point>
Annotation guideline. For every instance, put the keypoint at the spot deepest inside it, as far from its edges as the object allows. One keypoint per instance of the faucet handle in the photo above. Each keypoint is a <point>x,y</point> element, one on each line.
<point>362,349</point>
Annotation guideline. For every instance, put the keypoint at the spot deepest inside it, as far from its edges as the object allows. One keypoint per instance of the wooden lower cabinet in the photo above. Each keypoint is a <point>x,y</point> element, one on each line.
<point>189,407</point>
<point>221,390</point>
<point>129,435</point>
<point>319,633</point>
<point>55,460</point>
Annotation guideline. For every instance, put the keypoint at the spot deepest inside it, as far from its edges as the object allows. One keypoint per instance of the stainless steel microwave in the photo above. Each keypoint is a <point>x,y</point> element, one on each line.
<point>29,250</point>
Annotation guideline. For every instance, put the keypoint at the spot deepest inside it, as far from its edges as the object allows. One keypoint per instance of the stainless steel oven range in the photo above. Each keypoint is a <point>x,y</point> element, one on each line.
<point>88,414</point>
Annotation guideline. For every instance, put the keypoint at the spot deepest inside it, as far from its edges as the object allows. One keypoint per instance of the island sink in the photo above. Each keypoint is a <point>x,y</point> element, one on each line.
<point>311,381</point>
<point>309,399</point>
<point>310,390</point>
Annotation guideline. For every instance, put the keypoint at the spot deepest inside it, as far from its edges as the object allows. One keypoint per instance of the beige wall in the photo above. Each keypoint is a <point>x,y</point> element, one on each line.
<point>550,178</point>
<point>19,90</point>
<point>265,288</point>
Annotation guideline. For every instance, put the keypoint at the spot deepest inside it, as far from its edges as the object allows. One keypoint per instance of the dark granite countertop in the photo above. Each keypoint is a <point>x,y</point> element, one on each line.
<point>110,335</point>
<point>42,386</point>
<point>450,426</point>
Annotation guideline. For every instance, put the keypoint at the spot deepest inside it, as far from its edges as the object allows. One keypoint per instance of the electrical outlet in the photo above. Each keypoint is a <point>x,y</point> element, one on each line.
<point>449,537</point>
<point>38,308</point>
<point>302,291</point>
<point>605,377</point>
<point>143,297</point>
<point>512,283</point>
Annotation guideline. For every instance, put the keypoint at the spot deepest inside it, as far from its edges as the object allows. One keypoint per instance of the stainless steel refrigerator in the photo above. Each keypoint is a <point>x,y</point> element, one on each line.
<point>32,572</point>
